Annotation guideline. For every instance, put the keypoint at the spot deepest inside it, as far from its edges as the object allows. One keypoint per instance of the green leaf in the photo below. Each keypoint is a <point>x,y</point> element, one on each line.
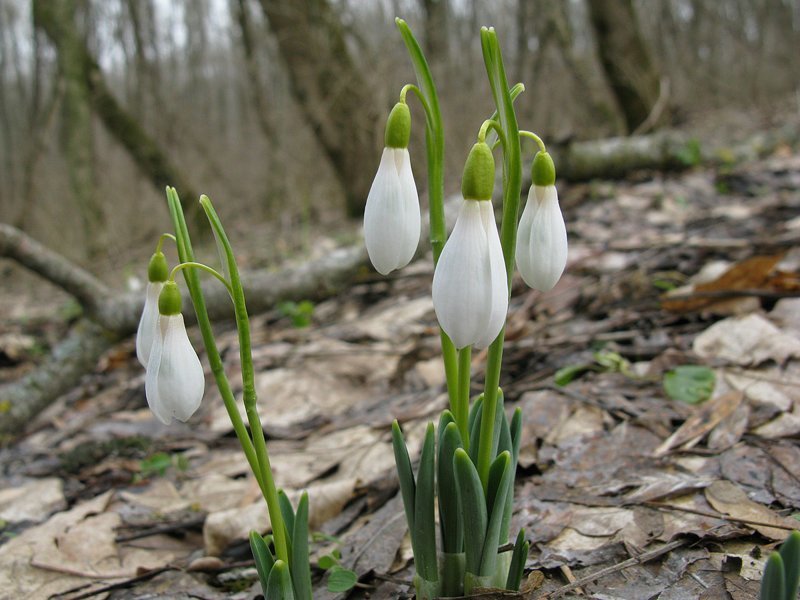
<point>262,557</point>
<point>773,585</point>
<point>408,487</point>
<point>341,580</point>
<point>425,559</point>
<point>472,504</point>
<point>691,384</point>
<point>790,554</point>
<point>287,513</point>
<point>498,487</point>
<point>300,313</point>
<point>450,518</point>
<point>279,585</point>
<point>518,558</point>
<point>328,561</point>
<point>569,373</point>
<point>156,464</point>
<point>301,569</point>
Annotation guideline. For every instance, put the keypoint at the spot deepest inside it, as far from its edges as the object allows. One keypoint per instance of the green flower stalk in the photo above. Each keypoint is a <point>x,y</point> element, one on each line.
<point>285,573</point>
<point>476,447</point>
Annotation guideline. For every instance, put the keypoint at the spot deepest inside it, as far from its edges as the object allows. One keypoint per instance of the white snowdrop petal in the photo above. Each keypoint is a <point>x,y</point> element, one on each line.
<point>181,381</point>
<point>549,241</point>
<point>411,221</point>
<point>391,215</point>
<point>499,280</point>
<point>151,387</point>
<point>461,281</point>
<point>524,251</point>
<point>148,323</point>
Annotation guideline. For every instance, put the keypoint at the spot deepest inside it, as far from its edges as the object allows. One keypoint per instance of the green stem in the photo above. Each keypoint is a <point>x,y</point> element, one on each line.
<point>512,187</point>
<point>186,254</point>
<point>462,414</point>
<point>202,267</point>
<point>535,138</point>
<point>434,148</point>
<point>165,236</point>
<point>249,388</point>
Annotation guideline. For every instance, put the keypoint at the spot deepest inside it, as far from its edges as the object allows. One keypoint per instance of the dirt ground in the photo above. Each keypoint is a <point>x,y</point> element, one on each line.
<point>638,478</point>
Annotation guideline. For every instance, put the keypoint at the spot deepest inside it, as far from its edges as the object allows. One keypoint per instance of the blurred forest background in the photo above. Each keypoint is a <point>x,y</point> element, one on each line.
<point>275,108</point>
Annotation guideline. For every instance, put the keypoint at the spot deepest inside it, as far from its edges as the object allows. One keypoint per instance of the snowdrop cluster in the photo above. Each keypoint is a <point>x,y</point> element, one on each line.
<point>175,382</point>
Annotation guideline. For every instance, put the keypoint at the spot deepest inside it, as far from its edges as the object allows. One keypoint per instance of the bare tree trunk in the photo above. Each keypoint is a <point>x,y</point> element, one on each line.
<point>330,90</point>
<point>154,164</point>
<point>436,30</point>
<point>625,59</point>
<point>77,137</point>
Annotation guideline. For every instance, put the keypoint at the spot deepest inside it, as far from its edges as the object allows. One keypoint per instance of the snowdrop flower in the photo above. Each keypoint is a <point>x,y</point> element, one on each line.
<point>542,236</point>
<point>470,286</point>
<point>157,272</point>
<point>175,381</point>
<point>391,216</point>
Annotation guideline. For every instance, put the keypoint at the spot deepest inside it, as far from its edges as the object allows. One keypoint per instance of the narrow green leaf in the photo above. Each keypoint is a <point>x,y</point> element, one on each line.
<point>691,384</point>
<point>408,487</point>
<point>498,486</point>
<point>569,373</point>
<point>301,567</point>
<point>518,558</point>
<point>450,518</point>
<point>287,512</point>
<point>773,583</point>
<point>262,557</point>
<point>790,554</point>
<point>340,580</point>
<point>475,416</point>
<point>472,504</point>
<point>279,586</point>
<point>425,558</point>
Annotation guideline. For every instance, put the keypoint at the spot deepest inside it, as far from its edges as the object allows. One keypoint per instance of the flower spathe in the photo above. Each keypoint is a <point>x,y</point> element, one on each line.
<point>392,215</point>
<point>470,287</point>
<point>148,323</point>
<point>175,381</point>
<point>542,239</point>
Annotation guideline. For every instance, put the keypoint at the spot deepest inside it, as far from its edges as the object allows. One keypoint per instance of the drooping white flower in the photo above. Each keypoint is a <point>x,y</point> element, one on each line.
<point>175,381</point>
<point>392,215</point>
<point>148,323</point>
<point>542,239</point>
<point>470,288</point>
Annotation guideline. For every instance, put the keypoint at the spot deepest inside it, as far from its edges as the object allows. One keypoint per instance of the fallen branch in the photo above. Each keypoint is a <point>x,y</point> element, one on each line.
<point>110,318</point>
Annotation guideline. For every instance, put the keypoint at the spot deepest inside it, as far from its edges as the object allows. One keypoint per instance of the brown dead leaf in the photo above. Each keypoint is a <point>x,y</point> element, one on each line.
<point>746,341</point>
<point>34,500</point>
<point>707,417</point>
<point>750,274</point>
<point>730,499</point>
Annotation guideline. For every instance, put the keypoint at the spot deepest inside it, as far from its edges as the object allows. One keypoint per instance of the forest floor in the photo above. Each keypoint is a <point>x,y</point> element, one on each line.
<point>674,482</point>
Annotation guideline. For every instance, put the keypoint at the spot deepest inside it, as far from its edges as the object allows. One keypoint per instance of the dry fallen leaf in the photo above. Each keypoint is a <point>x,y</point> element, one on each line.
<point>750,274</point>
<point>729,499</point>
<point>746,341</point>
<point>706,418</point>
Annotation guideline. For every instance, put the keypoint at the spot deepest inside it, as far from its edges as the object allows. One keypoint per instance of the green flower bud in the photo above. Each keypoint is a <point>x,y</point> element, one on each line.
<point>157,270</point>
<point>169,300</point>
<point>543,171</point>
<point>477,183</point>
<point>398,127</point>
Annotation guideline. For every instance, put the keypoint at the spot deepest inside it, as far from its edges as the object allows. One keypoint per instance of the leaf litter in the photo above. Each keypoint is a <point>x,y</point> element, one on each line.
<point>624,491</point>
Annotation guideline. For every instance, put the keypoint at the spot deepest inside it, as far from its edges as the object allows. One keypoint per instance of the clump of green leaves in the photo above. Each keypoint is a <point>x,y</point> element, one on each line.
<point>603,362</point>
<point>300,313</point>
<point>692,384</point>
<point>340,579</point>
<point>782,572</point>
<point>157,464</point>
<point>691,153</point>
